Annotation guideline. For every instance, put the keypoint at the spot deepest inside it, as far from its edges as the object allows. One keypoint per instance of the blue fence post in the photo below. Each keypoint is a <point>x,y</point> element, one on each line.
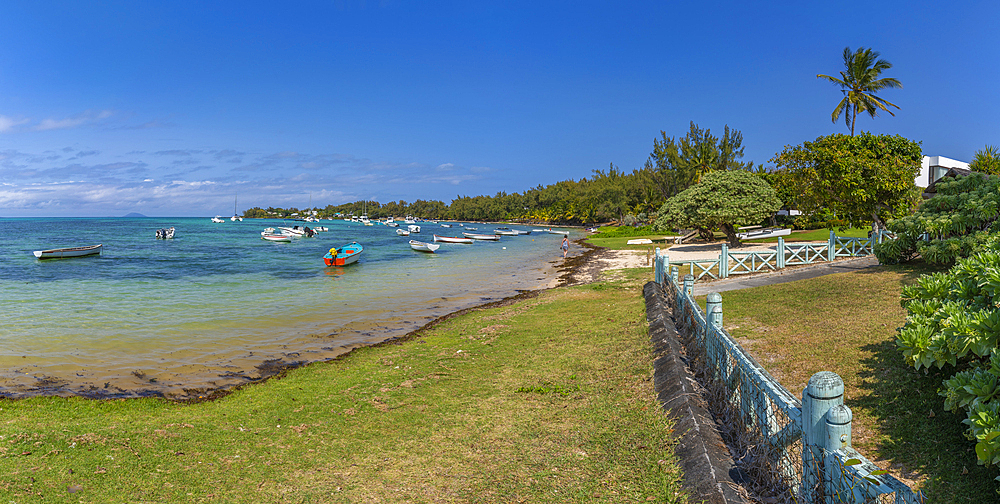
<point>781,252</point>
<point>675,273</point>
<point>688,285</point>
<point>724,262</point>
<point>824,391</point>
<point>831,248</point>
<point>657,267</point>
<point>713,300</point>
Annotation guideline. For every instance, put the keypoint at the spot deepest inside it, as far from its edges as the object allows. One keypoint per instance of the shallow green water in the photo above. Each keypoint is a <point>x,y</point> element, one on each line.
<point>207,308</point>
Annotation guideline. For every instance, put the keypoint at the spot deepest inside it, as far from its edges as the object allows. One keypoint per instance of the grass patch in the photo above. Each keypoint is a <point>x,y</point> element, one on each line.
<point>621,242</point>
<point>548,399</point>
<point>846,323</point>
<point>813,235</point>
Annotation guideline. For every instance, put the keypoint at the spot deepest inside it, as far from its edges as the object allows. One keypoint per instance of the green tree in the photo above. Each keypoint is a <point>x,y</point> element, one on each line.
<point>676,164</point>
<point>862,179</point>
<point>859,81</point>
<point>986,160</point>
<point>724,200</point>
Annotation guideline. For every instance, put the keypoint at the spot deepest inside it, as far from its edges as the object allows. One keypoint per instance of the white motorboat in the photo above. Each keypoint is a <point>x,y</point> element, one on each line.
<point>423,247</point>
<point>486,237</point>
<point>452,239</point>
<point>402,232</point>
<point>445,225</point>
<point>413,228</point>
<point>558,232</point>
<point>505,232</point>
<point>70,252</point>
<point>275,237</point>
<point>217,220</point>
<point>165,234</point>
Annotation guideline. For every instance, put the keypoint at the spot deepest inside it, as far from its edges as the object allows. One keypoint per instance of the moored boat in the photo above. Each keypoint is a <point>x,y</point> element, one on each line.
<point>475,236</point>
<point>402,232</point>
<point>452,239</point>
<point>165,234</point>
<point>69,252</point>
<point>558,232</point>
<point>423,247</point>
<point>413,228</point>
<point>505,232</point>
<point>348,254</point>
<point>275,237</point>
<point>217,220</point>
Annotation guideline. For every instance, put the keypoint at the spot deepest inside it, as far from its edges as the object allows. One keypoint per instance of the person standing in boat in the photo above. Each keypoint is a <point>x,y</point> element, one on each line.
<point>565,245</point>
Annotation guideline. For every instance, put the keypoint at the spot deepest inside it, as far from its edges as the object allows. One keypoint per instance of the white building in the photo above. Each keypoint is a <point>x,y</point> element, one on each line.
<point>934,167</point>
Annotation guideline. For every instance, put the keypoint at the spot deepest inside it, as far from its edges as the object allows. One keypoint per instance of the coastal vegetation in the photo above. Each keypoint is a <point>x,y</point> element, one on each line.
<point>498,404</point>
<point>722,200</point>
<point>864,179</point>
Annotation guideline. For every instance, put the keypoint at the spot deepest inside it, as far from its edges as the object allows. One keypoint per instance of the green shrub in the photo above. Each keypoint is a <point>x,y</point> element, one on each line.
<point>951,225</point>
<point>953,319</point>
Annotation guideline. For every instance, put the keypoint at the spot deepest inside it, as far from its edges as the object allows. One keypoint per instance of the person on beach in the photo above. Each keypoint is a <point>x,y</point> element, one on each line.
<point>565,245</point>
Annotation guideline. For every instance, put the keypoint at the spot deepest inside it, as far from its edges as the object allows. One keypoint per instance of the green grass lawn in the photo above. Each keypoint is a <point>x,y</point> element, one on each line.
<point>846,323</point>
<point>546,399</point>
<point>816,235</point>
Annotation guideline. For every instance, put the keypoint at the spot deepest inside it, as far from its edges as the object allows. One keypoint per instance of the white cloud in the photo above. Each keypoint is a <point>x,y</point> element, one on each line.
<point>8,123</point>
<point>74,121</point>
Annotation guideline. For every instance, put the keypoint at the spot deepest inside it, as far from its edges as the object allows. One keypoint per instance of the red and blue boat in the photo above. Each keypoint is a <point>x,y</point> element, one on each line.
<point>342,256</point>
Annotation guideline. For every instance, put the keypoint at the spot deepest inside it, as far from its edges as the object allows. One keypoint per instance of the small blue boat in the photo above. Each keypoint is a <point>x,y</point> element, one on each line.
<point>344,255</point>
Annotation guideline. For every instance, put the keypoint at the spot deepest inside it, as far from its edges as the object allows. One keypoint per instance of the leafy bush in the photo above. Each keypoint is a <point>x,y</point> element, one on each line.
<point>951,225</point>
<point>953,318</point>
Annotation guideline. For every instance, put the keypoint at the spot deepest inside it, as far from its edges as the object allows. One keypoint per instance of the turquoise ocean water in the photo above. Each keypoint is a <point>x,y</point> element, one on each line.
<point>216,305</point>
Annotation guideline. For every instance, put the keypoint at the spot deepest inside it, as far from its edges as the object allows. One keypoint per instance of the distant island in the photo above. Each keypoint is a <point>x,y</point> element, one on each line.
<point>133,214</point>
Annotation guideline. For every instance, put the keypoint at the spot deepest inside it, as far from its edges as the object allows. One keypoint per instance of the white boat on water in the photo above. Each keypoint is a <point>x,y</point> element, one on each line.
<point>165,234</point>
<point>69,252</point>
<point>452,239</point>
<point>445,225</point>
<point>275,237</point>
<point>485,237</point>
<point>402,232</point>
<point>413,228</point>
<point>217,220</point>
<point>505,232</point>
<point>558,232</point>
<point>423,247</point>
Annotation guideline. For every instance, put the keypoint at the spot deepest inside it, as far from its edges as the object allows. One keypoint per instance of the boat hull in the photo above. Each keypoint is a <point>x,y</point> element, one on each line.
<point>276,237</point>
<point>485,237</point>
<point>420,246</point>
<point>452,239</point>
<point>69,252</point>
<point>348,254</point>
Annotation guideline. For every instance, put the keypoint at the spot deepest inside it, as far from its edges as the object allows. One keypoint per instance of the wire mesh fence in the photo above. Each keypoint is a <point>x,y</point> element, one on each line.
<point>792,452</point>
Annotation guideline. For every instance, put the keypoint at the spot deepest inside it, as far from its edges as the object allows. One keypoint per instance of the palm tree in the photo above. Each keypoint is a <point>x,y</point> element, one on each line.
<point>859,83</point>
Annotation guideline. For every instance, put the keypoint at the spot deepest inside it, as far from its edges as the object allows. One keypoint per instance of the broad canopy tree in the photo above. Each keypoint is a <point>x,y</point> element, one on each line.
<point>724,200</point>
<point>863,179</point>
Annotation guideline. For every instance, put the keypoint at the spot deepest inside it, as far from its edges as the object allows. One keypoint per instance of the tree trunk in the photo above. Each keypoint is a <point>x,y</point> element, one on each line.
<point>877,223</point>
<point>734,241</point>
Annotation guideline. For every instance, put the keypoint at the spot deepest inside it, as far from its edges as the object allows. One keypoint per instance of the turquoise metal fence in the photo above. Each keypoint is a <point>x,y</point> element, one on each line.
<point>784,254</point>
<point>802,446</point>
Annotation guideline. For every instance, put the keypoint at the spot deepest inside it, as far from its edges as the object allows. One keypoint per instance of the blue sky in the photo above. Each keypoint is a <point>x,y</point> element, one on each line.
<point>173,108</point>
